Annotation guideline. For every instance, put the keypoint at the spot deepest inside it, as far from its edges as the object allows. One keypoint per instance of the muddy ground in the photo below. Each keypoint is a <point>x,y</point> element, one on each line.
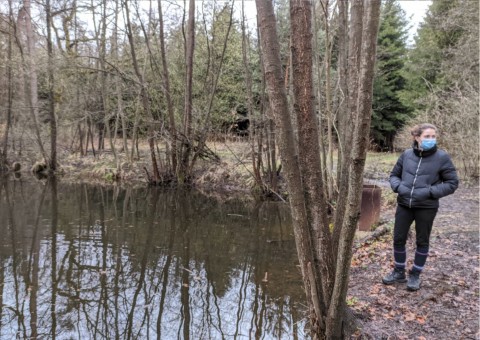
<point>447,304</point>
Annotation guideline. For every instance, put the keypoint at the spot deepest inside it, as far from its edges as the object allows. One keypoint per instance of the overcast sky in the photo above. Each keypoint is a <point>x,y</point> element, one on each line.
<point>415,10</point>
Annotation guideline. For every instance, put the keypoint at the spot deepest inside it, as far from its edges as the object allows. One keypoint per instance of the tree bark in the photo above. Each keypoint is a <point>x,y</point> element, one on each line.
<point>354,46</point>
<point>118,87</point>
<point>144,96</point>
<point>342,74</point>
<point>308,142</point>
<point>286,143</point>
<point>325,283</point>
<point>31,77</point>
<point>52,164</point>
<point>166,84</point>
<point>8,121</point>
<point>358,156</point>
<point>183,175</point>
<point>328,100</point>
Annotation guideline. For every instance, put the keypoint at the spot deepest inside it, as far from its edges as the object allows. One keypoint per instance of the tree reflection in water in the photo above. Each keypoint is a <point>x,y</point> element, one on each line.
<point>82,262</point>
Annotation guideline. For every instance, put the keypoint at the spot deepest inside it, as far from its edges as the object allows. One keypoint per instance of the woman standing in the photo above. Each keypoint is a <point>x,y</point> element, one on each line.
<point>421,176</point>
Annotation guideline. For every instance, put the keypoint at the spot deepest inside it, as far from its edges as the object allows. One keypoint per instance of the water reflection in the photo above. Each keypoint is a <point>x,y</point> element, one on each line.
<point>87,262</point>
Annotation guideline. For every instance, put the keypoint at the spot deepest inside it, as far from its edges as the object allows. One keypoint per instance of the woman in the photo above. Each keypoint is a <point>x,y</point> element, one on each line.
<point>422,175</point>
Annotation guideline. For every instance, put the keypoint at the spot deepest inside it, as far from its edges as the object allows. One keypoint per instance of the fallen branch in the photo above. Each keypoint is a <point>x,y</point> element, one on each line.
<point>380,231</point>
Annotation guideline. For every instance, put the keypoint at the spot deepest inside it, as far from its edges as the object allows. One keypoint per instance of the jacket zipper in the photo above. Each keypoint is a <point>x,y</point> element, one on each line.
<point>414,180</point>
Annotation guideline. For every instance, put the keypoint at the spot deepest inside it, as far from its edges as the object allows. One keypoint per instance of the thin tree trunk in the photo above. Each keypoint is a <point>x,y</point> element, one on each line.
<point>118,88</point>
<point>143,95</point>
<point>168,97</point>
<point>31,77</point>
<point>8,122</point>
<point>328,100</point>
<point>308,148</point>
<point>320,104</point>
<point>286,142</point>
<point>52,166</point>
<point>342,74</point>
<point>187,115</point>
<point>358,156</point>
<point>90,136</point>
<point>355,43</point>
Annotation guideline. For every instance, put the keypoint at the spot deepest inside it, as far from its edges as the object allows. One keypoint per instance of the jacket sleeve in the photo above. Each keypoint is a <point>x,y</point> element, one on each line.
<point>396,174</point>
<point>449,183</point>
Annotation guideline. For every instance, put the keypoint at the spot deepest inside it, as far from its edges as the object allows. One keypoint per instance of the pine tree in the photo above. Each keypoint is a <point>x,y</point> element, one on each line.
<point>389,113</point>
<point>442,80</point>
<point>433,45</point>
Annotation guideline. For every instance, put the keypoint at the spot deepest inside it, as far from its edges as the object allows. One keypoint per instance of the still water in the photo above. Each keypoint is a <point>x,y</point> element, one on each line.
<point>86,262</point>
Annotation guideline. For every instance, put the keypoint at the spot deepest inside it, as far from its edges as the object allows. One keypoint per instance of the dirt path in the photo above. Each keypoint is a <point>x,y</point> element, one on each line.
<point>447,305</point>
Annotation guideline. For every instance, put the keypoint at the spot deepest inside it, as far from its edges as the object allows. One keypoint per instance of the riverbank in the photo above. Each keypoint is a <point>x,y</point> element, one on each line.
<point>232,175</point>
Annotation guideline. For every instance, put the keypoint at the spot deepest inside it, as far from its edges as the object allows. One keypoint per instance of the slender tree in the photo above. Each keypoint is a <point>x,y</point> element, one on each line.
<point>9,76</point>
<point>188,99</point>
<point>167,90</point>
<point>52,164</point>
<point>325,275</point>
<point>30,73</point>
<point>145,100</point>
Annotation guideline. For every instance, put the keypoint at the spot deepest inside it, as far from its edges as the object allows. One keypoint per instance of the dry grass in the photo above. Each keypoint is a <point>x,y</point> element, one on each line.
<point>232,174</point>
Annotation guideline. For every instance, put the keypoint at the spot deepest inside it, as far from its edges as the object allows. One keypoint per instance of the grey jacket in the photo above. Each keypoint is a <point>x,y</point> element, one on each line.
<point>421,178</point>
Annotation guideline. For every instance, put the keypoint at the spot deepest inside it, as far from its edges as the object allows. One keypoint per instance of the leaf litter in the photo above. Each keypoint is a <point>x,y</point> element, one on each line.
<point>447,304</point>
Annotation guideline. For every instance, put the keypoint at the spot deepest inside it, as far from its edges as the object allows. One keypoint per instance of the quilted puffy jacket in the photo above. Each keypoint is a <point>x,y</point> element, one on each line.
<point>421,178</point>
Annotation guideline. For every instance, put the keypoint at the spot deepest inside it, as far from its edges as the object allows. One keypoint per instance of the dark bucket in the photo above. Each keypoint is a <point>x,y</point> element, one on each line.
<point>370,207</point>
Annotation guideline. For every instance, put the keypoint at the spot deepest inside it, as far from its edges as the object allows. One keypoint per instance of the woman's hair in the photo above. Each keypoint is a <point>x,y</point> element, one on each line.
<point>417,130</point>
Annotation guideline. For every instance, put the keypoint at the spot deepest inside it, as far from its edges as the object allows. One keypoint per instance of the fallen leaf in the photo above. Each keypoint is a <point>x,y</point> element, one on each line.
<point>409,316</point>
<point>421,319</point>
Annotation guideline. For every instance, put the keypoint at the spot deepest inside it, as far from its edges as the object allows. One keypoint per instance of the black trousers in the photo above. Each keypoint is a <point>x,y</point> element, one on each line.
<point>404,218</point>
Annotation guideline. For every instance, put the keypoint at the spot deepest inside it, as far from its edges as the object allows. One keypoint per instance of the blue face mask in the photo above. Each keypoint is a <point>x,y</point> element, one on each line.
<point>427,144</point>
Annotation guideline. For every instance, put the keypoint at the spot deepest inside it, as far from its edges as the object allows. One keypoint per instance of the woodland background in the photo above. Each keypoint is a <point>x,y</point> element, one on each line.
<point>84,78</point>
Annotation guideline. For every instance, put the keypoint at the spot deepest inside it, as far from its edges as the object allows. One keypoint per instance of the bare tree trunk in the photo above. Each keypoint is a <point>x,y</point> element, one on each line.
<point>325,283</point>
<point>102,46</point>
<point>308,148</point>
<point>355,43</point>
<point>256,156</point>
<point>166,84</point>
<point>320,101</point>
<point>187,115</point>
<point>286,142</point>
<point>267,119</point>
<point>118,87</point>
<point>342,74</point>
<point>8,122</point>
<point>328,99</point>
<point>358,156</point>
<point>143,95</point>
<point>52,166</point>
<point>31,77</point>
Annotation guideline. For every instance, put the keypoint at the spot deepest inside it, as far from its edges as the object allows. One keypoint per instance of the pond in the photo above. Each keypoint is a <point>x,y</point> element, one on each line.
<point>87,262</point>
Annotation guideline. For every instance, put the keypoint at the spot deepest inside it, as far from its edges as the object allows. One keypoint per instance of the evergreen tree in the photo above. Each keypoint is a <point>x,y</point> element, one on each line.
<point>442,79</point>
<point>433,43</point>
<point>389,113</point>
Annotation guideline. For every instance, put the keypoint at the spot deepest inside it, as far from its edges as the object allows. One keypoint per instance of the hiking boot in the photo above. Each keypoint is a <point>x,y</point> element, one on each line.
<point>413,283</point>
<point>397,275</point>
